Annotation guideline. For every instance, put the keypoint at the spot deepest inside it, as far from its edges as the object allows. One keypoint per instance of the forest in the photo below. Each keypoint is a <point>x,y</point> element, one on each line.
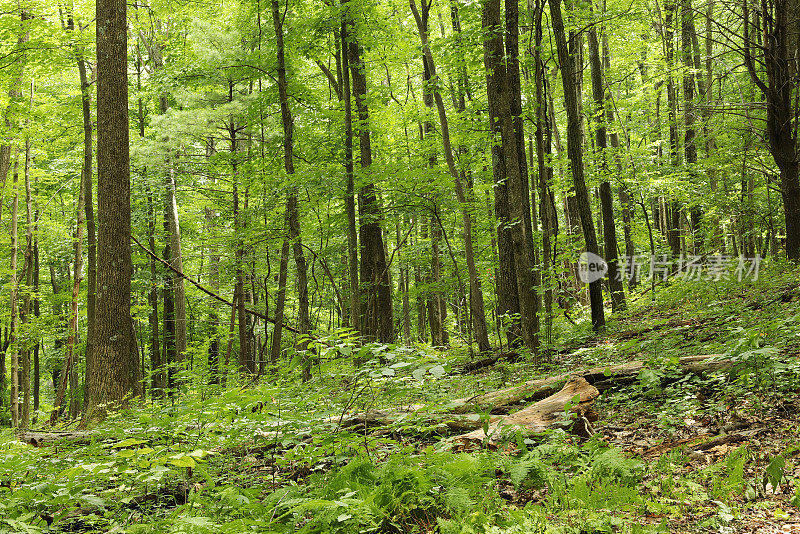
<point>423,266</point>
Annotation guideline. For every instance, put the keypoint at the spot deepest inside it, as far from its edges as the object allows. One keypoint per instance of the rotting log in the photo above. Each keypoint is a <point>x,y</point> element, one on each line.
<point>576,397</point>
<point>37,439</point>
<point>526,392</point>
<point>601,377</point>
<point>483,363</point>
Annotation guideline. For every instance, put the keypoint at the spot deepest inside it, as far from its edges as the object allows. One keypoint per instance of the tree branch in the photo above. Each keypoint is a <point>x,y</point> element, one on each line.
<point>208,291</point>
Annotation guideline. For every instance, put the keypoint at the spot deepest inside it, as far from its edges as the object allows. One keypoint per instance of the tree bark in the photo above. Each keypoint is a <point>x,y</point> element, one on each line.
<point>673,221</point>
<point>476,294</point>
<point>509,167</point>
<point>606,199</point>
<point>25,310</point>
<point>176,260</point>
<point>14,327</point>
<point>36,313</point>
<point>244,358</point>
<point>114,373</point>
<point>378,323</point>
<point>350,195</point>
<point>72,332</point>
<point>404,289</point>
<point>688,38</point>
<point>575,150</point>
<point>280,303</point>
<point>543,137</point>
<point>780,86</point>
<point>292,212</point>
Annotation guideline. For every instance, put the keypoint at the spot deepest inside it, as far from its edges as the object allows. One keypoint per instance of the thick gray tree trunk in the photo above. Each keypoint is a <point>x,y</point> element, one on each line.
<point>114,374</point>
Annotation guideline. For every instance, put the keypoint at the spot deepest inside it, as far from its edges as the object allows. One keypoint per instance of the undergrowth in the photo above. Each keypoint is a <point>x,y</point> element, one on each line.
<point>275,457</point>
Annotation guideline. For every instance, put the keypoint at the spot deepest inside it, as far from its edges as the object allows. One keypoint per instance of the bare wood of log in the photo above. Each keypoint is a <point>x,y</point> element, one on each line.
<point>601,377</point>
<point>577,396</point>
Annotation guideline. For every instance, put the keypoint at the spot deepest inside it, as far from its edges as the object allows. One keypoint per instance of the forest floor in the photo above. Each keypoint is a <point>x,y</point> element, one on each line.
<point>673,451</point>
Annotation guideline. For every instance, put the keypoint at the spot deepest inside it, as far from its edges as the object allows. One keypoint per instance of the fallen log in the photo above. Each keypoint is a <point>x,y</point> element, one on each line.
<point>576,397</point>
<point>600,377</point>
<point>377,418</point>
<point>37,439</point>
<point>529,391</point>
<point>477,365</point>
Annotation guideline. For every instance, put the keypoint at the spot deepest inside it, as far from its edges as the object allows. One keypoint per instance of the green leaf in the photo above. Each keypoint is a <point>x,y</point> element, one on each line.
<point>437,371</point>
<point>775,470</point>
<point>182,461</point>
<point>130,442</point>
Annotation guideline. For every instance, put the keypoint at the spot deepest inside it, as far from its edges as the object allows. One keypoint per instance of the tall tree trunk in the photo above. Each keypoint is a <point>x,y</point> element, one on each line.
<point>378,320</point>
<point>280,303</point>
<point>176,260</point>
<point>169,355</point>
<point>91,234</point>
<point>516,291</point>
<point>673,221</point>
<point>543,136</point>
<point>244,358</point>
<point>432,282</point>
<point>72,330</point>
<point>350,195</point>
<point>213,318</point>
<point>476,294</point>
<point>688,38</point>
<point>404,288</point>
<point>625,201</point>
<point>14,337</point>
<point>25,311</point>
<point>292,212</point>
<point>14,93</point>
<point>422,327</point>
<point>114,373</point>
<point>214,262</point>
<point>606,199</point>
<point>575,150</point>
<point>174,290</point>
<point>157,385</point>
<point>777,53</point>
<point>437,311</point>
<point>36,313</point>
<point>718,237</point>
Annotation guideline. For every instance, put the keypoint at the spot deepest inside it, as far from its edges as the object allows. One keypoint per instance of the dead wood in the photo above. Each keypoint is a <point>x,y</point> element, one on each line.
<point>703,442</point>
<point>600,377</point>
<point>477,365</point>
<point>377,418</point>
<point>37,439</point>
<point>546,413</point>
<point>529,391</point>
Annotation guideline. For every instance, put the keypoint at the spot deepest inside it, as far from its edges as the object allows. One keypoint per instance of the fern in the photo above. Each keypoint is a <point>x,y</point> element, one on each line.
<point>528,472</point>
<point>612,465</point>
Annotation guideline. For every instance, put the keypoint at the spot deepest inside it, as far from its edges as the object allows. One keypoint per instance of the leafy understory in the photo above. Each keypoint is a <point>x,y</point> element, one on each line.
<point>673,451</point>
